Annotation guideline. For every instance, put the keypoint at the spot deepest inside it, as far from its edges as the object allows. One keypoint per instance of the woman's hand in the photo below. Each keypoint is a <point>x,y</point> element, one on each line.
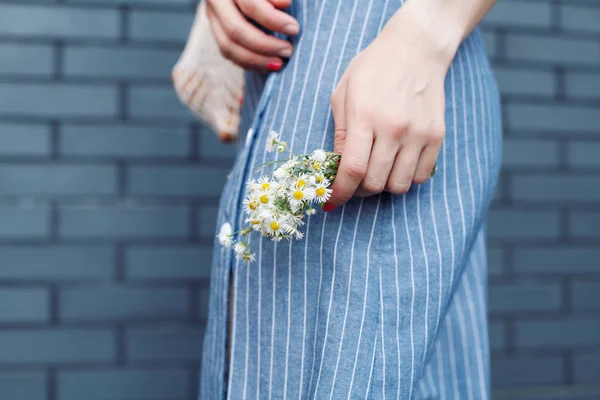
<point>245,44</point>
<point>389,109</point>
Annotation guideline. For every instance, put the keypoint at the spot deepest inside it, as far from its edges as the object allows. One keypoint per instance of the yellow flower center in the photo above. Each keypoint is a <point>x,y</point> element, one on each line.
<point>301,183</point>
<point>264,199</point>
<point>298,195</point>
<point>316,165</point>
<point>320,191</point>
<point>252,205</point>
<point>319,179</point>
<point>255,222</point>
<point>275,225</point>
<point>265,186</point>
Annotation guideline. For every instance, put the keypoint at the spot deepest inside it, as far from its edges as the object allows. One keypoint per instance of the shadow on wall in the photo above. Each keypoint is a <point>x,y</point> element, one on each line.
<point>108,192</point>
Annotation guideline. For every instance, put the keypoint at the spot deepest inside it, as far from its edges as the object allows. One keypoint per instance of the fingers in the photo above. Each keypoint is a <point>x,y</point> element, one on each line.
<point>404,168</point>
<point>426,163</point>
<point>380,165</point>
<point>238,54</point>
<point>355,158</point>
<point>339,116</point>
<point>267,15</point>
<point>241,32</point>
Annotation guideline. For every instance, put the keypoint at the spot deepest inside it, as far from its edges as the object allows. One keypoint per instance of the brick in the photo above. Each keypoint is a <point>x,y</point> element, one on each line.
<point>164,343</point>
<point>159,25</point>
<point>168,262</point>
<point>24,140</point>
<point>582,85</point>
<point>580,18</point>
<point>489,37</point>
<point>210,147</point>
<point>23,385</point>
<point>496,261</point>
<point>176,180</point>
<point>584,224</point>
<point>58,180</point>
<point>55,100</point>
<point>123,221</point>
<point>512,81</point>
<point>561,260</point>
<point>520,13</point>
<point>583,154</point>
<point>517,371</point>
<point>207,220</point>
<point>23,222</point>
<point>586,367</point>
<point>157,102</point>
<point>553,118</point>
<point>552,50</point>
<point>564,333</point>
<point>58,21</point>
<point>21,59</point>
<point>24,305</point>
<point>126,141</point>
<point>119,62</point>
<point>511,224</point>
<point>203,297</point>
<point>556,188</point>
<point>131,383</point>
<point>523,153</point>
<point>497,336</point>
<point>524,296</point>
<point>91,303</point>
<point>585,295</point>
<point>56,263</point>
<point>52,346</point>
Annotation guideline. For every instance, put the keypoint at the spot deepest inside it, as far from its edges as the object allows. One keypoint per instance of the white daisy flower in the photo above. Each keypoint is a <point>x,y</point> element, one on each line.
<point>226,235</point>
<point>249,257</point>
<point>240,248</point>
<point>272,141</point>
<point>321,193</point>
<point>251,203</point>
<point>311,211</point>
<point>318,156</point>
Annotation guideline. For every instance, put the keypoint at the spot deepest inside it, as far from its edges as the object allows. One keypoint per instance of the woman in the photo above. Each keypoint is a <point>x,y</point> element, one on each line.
<point>385,296</point>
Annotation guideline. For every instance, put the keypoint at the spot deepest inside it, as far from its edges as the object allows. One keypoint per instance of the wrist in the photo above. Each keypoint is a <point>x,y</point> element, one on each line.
<point>435,26</point>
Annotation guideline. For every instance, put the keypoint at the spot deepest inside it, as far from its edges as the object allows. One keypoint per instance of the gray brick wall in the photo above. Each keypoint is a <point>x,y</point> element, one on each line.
<point>108,192</point>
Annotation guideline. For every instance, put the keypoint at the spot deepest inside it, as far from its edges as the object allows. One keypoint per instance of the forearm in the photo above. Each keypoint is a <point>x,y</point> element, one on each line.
<point>445,23</point>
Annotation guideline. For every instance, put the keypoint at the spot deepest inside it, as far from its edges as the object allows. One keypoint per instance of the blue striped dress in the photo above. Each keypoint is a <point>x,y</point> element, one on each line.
<point>385,298</point>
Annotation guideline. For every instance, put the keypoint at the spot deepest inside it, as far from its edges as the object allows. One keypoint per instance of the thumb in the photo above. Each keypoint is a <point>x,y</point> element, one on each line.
<point>338,108</point>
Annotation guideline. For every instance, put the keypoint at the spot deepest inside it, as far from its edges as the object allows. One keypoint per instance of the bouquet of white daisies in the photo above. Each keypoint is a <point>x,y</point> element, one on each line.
<point>275,205</point>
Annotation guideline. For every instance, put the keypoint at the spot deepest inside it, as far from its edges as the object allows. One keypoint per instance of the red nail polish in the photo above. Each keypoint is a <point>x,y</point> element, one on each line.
<point>327,207</point>
<point>241,100</point>
<point>274,66</point>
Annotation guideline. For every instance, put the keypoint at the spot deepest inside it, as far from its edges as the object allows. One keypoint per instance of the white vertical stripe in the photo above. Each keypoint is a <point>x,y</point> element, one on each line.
<point>439,250</point>
<point>330,298</point>
<point>453,372</point>
<point>440,371</point>
<point>412,301</point>
<point>312,368</point>
<point>467,132</point>
<point>273,320</point>
<point>397,296</point>
<point>337,363</point>
<point>426,318</point>
<point>482,103</point>
<point>475,328</point>
<point>372,366</point>
<point>365,296</point>
<point>465,345</point>
<point>233,328</point>
<point>382,330</point>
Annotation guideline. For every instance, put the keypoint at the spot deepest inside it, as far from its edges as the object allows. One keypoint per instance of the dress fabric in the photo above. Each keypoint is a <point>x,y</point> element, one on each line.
<point>385,298</point>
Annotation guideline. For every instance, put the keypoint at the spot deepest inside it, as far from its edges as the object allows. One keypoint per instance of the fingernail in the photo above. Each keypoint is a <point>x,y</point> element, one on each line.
<point>291,29</point>
<point>327,207</point>
<point>241,100</point>
<point>274,66</point>
<point>285,52</point>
